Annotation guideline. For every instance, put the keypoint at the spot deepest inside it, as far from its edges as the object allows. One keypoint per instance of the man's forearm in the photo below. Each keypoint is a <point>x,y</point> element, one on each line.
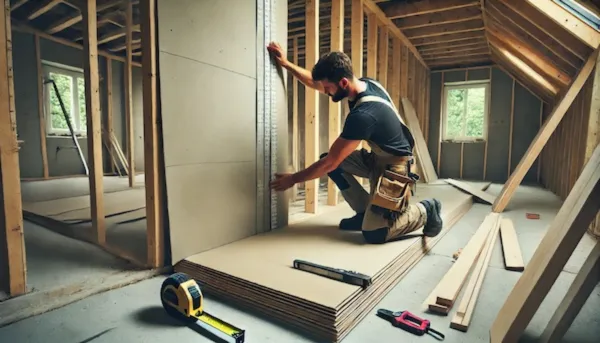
<point>302,74</point>
<point>316,170</point>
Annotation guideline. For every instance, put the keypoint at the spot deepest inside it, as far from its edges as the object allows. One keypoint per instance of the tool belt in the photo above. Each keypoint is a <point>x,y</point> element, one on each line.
<point>393,189</point>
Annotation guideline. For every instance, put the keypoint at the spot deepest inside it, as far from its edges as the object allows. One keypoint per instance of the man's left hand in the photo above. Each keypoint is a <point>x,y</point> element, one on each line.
<point>282,181</point>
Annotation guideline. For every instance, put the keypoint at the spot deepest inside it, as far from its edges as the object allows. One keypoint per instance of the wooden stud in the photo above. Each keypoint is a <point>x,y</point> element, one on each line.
<point>129,93</point>
<point>404,73</point>
<point>511,124</point>
<point>372,46</point>
<point>295,137</point>
<point>311,126</point>
<point>561,239</point>
<point>593,124</point>
<point>539,166</point>
<point>12,221</point>
<point>382,55</point>
<point>439,154</point>
<point>335,108</point>
<point>94,124</point>
<point>543,135</point>
<point>109,112</point>
<point>395,76</point>
<point>487,128</point>
<point>357,34</point>
<point>42,117</point>
<point>152,175</point>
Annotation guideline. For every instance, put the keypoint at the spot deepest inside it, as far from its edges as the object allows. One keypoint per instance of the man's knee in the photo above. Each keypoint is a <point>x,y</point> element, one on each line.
<point>337,176</point>
<point>377,236</point>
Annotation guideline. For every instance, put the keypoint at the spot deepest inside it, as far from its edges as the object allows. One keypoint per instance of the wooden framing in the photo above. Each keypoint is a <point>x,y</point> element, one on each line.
<point>154,177</point>
<point>335,108</point>
<point>553,252</point>
<point>128,93</point>
<point>311,120</point>
<point>40,87</point>
<point>543,136</point>
<point>94,125</point>
<point>12,246</point>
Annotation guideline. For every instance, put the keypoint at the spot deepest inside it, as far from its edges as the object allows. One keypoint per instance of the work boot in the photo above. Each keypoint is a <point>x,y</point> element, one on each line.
<point>353,223</point>
<point>434,223</point>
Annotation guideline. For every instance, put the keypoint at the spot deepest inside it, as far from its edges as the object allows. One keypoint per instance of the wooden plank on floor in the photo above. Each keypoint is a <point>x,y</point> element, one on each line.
<point>478,193</point>
<point>464,313</point>
<point>422,152</point>
<point>513,259</point>
<point>553,252</point>
<point>448,289</point>
<point>11,227</point>
<point>542,137</point>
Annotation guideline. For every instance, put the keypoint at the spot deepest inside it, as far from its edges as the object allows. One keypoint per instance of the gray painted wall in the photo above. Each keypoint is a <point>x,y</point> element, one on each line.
<point>63,159</point>
<point>526,123</point>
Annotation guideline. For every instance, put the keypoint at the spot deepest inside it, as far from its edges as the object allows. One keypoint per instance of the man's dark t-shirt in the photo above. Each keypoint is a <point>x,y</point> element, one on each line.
<point>377,122</point>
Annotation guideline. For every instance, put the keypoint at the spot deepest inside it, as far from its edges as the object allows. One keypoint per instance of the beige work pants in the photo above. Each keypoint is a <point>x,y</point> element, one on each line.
<point>369,164</point>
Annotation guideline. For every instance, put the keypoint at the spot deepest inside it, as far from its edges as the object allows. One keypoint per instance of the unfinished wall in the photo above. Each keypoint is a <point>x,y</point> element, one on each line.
<point>208,91</point>
<point>513,121</point>
<point>563,157</point>
<point>63,159</point>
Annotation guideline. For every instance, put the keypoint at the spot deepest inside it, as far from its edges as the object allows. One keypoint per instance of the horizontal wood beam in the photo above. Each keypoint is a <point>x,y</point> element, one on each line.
<point>454,37</point>
<point>438,18</point>
<point>43,8</point>
<point>393,29</point>
<point>397,9</point>
<point>445,29</point>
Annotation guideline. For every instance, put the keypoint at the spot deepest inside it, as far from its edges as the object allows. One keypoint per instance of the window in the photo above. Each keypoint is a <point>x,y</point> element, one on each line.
<point>581,11</point>
<point>71,87</point>
<point>465,109</point>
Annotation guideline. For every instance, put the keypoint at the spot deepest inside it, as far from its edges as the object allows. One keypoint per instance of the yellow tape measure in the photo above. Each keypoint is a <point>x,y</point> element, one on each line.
<point>182,298</point>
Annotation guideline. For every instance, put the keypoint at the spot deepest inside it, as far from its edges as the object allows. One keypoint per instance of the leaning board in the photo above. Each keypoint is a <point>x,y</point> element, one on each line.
<point>257,271</point>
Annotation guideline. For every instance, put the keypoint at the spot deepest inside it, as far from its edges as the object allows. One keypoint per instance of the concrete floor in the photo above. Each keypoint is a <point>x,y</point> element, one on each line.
<point>134,314</point>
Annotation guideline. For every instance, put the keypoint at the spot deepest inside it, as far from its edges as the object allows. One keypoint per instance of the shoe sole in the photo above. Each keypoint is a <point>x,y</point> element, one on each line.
<point>437,215</point>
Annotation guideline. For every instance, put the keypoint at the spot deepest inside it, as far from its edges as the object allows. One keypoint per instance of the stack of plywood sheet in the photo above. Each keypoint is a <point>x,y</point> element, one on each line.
<point>257,272</point>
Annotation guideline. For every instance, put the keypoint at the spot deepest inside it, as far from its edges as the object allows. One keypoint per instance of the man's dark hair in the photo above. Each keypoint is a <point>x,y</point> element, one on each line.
<point>333,66</point>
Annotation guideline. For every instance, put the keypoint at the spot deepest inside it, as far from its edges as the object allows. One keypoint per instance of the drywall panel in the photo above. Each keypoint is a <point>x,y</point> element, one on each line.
<point>450,163</point>
<point>472,161</point>
<point>26,104</point>
<point>208,95</point>
<point>206,126</point>
<point>478,74</point>
<point>434,117</point>
<point>499,127</point>
<point>213,32</point>
<point>526,124</point>
<point>210,204</point>
<point>455,76</point>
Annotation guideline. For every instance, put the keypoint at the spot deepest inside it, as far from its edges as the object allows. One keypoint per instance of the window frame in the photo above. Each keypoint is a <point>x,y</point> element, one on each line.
<point>75,73</point>
<point>581,12</point>
<point>447,86</point>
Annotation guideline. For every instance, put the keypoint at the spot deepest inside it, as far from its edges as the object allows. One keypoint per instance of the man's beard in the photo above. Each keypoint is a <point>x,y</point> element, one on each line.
<point>339,95</point>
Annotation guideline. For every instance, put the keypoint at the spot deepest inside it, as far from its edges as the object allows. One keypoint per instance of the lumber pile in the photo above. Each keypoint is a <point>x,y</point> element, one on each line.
<point>256,272</point>
<point>472,264</point>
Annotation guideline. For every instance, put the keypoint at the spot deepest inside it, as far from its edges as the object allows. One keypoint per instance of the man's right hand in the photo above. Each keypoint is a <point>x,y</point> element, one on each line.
<point>278,53</point>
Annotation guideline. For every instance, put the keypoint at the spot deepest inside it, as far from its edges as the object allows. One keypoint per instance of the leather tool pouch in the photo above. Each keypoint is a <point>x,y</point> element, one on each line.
<point>393,191</point>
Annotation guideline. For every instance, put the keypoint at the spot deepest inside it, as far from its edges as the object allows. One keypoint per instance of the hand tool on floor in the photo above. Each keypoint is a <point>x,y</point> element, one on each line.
<point>182,298</point>
<point>409,322</point>
<point>351,277</point>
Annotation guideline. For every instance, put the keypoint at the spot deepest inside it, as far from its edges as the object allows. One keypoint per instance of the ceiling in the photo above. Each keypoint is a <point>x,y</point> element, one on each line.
<point>524,37</point>
<point>62,19</point>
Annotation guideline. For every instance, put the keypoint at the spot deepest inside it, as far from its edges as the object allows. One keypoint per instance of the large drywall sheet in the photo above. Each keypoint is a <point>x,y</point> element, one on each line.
<point>207,68</point>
